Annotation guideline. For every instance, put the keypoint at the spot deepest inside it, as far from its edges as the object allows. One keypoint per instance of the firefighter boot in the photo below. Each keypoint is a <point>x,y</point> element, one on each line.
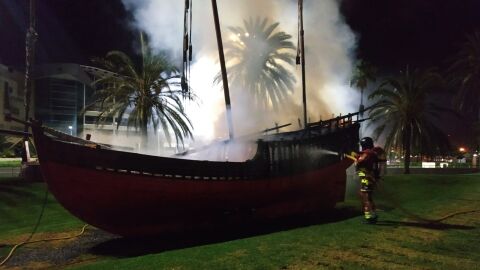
<point>370,217</point>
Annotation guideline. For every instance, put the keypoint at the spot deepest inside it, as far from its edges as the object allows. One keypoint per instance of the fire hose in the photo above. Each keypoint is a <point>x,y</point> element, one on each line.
<point>391,199</point>
<point>29,238</point>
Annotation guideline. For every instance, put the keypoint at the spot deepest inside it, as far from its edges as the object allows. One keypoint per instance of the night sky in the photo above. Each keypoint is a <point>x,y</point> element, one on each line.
<point>391,33</point>
<point>394,33</point>
<point>70,31</point>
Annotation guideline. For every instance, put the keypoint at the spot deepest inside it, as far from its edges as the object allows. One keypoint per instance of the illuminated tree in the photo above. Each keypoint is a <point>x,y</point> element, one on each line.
<point>405,115</point>
<point>147,93</point>
<point>464,74</point>
<point>258,58</point>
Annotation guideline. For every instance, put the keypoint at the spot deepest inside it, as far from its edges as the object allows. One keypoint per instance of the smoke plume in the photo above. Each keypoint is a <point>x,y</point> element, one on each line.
<point>329,46</point>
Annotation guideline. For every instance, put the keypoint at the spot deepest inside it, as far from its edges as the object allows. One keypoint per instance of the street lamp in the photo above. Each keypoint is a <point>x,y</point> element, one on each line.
<point>71,130</point>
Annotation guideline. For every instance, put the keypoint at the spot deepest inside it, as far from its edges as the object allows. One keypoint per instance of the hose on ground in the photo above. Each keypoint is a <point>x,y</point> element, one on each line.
<point>391,199</point>
<point>10,254</point>
<point>28,240</point>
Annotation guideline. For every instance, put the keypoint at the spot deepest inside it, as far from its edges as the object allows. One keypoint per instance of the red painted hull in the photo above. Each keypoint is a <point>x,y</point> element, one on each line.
<point>133,205</point>
<point>139,203</point>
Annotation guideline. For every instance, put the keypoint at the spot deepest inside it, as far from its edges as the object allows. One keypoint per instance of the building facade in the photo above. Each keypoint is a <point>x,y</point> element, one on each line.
<point>60,96</point>
<point>60,99</point>
<point>12,86</point>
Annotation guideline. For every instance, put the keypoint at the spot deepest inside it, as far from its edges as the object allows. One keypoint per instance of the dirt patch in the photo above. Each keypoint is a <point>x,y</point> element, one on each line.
<point>421,235</point>
<point>429,257</point>
<point>33,265</point>
<point>238,253</point>
<point>393,247</point>
<point>338,259</point>
<point>41,236</point>
<point>50,254</point>
<point>381,256</point>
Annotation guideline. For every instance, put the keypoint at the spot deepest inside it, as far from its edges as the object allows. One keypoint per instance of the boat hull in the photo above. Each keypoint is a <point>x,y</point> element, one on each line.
<point>138,205</point>
<point>132,194</point>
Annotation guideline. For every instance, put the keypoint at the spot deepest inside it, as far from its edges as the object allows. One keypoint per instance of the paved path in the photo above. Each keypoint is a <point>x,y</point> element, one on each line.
<point>9,171</point>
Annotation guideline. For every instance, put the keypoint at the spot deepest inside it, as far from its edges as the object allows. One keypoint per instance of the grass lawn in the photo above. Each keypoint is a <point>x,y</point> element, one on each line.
<point>339,242</point>
<point>20,205</point>
<point>10,162</point>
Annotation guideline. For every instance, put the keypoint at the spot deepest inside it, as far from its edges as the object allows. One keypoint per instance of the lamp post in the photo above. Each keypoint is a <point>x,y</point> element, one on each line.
<point>462,157</point>
<point>71,130</point>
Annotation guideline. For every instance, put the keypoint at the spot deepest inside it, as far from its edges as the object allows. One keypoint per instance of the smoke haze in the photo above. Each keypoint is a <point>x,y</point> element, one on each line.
<point>329,46</point>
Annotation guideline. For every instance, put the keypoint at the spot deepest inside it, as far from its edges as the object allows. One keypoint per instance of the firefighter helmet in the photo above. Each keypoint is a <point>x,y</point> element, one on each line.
<point>366,143</point>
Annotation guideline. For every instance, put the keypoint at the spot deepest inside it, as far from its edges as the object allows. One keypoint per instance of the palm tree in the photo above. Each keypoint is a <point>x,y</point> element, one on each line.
<point>464,73</point>
<point>404,113</point>
<point>3,143</point>
<point>147,93</point>
<point>363,73</point>
<point>258,60</point>
<point>7,149</point>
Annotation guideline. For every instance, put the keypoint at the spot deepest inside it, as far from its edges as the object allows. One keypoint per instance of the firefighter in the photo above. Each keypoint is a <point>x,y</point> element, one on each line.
<point>369,170</point>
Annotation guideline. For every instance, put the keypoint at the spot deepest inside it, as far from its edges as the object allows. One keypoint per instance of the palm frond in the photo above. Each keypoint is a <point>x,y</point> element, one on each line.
<point>463,75</point>
<point>403,114</point>
<point>258,57</point>
<point>145,93</point>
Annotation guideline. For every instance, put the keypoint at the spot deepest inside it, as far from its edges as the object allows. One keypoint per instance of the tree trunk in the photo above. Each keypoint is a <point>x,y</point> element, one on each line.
<point>144,136</point>
<point>407,145</point>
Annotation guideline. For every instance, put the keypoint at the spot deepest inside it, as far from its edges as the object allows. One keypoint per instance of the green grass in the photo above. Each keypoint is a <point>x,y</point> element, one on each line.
<point>398,242</point>
<point>10,162</point>
<point>20,205</point>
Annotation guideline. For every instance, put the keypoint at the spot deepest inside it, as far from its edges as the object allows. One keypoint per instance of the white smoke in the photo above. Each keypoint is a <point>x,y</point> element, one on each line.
<point>329,45</point>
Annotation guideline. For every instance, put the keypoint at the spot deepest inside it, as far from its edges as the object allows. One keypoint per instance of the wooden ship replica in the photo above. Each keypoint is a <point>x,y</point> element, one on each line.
<point>132,194</point>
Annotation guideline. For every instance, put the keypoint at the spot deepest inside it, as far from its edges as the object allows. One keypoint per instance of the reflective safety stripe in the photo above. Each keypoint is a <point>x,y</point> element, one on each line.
<point>360,173</point>
<point>364,181</point>
<point>370,215</point>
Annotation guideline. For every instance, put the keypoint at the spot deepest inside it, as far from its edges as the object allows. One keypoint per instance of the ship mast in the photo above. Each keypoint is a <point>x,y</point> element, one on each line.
<point>301,52</point>
<point>30,40</point>
<point>187,48</point>
<point>223,68</point>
